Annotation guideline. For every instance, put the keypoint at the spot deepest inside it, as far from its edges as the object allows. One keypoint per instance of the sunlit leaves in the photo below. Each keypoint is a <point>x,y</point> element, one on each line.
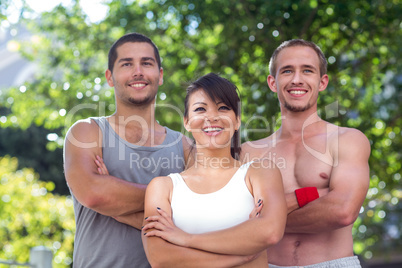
<point>361,39</point>
<point>31,216</point>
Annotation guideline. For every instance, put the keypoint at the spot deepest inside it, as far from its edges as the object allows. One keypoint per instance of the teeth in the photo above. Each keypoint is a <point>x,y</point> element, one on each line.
<point>297,92</point>
<point>209,129</point>
<point>138,85</point>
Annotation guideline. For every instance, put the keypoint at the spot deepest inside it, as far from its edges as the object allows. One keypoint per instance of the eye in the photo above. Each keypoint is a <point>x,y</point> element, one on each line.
<point>225,108</point>
<point>308,71</point>
<point>148,63</point>
<point>286,71</point>
<point>199,109</point>
<point>126,64</point>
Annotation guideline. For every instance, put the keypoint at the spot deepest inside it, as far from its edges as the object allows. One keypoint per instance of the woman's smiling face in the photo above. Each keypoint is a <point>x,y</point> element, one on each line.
<point>212,123</point>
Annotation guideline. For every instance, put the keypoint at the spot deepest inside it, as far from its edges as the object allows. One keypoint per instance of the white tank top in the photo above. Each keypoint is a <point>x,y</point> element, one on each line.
<point>200,213</point>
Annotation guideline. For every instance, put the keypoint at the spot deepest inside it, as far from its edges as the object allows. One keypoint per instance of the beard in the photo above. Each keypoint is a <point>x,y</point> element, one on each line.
<point>296,109</point>
<point>143,102</point>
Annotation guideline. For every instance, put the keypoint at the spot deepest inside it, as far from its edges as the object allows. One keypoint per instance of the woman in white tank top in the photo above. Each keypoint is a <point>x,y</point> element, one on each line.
<point>217,213</point>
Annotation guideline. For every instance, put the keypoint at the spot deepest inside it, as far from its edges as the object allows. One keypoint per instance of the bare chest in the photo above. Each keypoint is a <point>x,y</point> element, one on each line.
<point>303,163</point>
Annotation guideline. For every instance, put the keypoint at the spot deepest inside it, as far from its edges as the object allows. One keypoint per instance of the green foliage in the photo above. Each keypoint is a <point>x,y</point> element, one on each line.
<point>361,39</point>
<point>30,147</point>
<point>32,216</point>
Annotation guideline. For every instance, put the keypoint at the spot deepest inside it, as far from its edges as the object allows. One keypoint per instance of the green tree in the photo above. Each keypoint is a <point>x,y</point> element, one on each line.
<point>32,216</point>
<point>361,40</point>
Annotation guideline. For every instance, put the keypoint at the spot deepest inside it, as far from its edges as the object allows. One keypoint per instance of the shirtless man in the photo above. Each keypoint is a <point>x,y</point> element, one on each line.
<point>311,152</point>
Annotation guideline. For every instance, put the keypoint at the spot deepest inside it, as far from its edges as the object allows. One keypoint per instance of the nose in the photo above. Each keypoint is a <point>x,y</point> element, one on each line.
<point>212,117</point>
<point>137,70</point>
<point>297,78</point>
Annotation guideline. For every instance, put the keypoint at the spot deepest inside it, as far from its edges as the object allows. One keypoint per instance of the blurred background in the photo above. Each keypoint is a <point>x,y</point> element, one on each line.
<point>53,55</point>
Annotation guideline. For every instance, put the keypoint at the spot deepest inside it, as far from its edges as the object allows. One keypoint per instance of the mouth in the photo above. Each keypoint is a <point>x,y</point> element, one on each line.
<point>212,130</point>
<point>138,85</point>
<point>297,92</point>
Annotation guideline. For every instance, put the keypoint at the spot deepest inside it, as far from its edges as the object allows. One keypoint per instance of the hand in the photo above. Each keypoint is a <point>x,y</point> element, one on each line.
<point>101,166</point>
<point>162,226</point>
<point>255,213</point>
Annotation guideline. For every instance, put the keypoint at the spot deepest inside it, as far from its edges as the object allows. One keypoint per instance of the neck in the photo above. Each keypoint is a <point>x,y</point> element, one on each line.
<point>293,123</point>
<point>136,116</point>
<point>214,159</point>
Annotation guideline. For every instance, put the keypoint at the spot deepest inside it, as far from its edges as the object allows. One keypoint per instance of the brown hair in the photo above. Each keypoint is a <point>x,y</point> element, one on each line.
<point>218,88</point>
<point>131,38</point>
<point>294,43</point>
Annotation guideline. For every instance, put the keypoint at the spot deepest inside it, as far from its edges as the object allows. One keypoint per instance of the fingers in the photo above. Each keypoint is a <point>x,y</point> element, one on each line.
<point>102,170</point>
<point>166,216</point>
<point>158,222</point>
<point>153,225</point>
<point>255,213</point>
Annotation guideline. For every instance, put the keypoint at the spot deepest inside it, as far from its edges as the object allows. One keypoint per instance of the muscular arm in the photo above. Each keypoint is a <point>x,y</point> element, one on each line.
<point>105,194</point>
<point>292,203</point>
<point>257,150</point>
<point>349,183</point>
<point>164,254</point>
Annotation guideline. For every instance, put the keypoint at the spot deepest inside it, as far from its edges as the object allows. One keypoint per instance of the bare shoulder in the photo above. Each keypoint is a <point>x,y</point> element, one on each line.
<point>161,182</point>
<point>353,137</point>
<point>84,130</point>
<point>252,150</point>
<point>350,142</point>
<point>264,168</point>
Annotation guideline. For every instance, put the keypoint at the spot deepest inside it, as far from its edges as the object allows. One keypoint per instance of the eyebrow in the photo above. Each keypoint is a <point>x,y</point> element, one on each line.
<point>125,59</point>
<point>304,66</point>
<point>203,103</point>
<point>142,59</point>
<point>148,58</point>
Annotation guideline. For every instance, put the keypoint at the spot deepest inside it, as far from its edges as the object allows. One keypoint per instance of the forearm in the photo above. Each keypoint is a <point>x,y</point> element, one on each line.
<point>109,195</point>
<point>240,240</point>
<point>291,202</point>
<point>120,198</point>
<point>134,219</point>
<point>163,254</point>
<point>324,214</point>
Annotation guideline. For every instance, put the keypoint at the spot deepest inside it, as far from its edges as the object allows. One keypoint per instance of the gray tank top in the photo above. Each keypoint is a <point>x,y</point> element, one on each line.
<point>101,241</point>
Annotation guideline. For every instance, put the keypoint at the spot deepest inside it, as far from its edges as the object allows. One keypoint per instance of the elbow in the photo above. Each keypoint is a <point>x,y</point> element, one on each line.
<point>346,217</point>
<point>156,261</point>
<point>92,202</point>
<point>89,199</point>
<point>157,255</point>
<point>274,237</point>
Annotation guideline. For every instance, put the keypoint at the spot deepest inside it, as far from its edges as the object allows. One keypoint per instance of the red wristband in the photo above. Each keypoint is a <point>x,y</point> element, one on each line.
<point>306,195</point>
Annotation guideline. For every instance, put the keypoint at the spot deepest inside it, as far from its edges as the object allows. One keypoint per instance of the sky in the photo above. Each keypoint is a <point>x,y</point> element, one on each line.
<point>95,10</point>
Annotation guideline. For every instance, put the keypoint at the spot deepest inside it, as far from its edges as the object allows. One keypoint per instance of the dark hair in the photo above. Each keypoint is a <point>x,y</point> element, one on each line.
<point>133,38</point>
<point>294,43</point>
<point>218,88</point>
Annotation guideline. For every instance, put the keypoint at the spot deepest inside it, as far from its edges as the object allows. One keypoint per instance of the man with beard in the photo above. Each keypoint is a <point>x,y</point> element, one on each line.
<point>314,154</point>
<point>133,147</point>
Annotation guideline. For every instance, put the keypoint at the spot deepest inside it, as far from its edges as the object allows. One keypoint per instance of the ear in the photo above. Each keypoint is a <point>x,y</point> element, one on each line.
<point>272,83</point>
<point>109,79</point>
<point>160,76</point>
<point>323,82</point>
<point>238,123</point>
<point>186,124</point>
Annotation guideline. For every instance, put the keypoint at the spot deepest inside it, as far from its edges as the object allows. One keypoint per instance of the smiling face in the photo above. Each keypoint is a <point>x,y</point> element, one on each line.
<point>297,80</point>
<point>136,75</point>
<point>212,123</point>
